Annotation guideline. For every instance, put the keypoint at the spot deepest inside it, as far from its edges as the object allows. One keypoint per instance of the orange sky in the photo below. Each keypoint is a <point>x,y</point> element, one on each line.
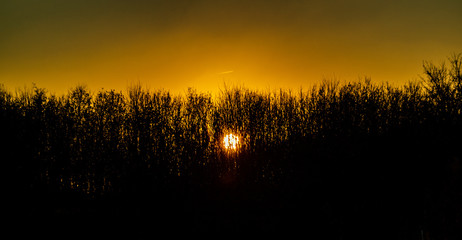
<point>259,44</point>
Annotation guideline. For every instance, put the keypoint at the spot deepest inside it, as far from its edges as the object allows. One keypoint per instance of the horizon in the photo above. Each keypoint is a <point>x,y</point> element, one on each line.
<point>223,89</point>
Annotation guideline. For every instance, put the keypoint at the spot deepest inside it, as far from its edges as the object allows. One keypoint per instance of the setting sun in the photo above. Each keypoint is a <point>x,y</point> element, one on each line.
<point>231,115</point>
<point>231,142</point>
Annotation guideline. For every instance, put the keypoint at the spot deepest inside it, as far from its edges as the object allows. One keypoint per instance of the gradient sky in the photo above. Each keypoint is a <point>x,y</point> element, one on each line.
<point>260,44</point>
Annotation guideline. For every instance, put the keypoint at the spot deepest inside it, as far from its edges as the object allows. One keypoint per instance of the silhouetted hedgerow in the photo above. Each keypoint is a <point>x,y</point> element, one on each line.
<point>395,151</point>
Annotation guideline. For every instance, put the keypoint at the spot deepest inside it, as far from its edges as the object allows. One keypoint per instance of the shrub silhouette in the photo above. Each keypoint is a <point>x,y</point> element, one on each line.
<point>376,144</point>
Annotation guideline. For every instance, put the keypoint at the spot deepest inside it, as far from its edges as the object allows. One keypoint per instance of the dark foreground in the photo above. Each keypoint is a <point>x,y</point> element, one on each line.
<point>323,207</point>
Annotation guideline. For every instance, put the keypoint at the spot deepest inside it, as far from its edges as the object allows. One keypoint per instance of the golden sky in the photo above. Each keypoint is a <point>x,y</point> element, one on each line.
<point>260,44</point>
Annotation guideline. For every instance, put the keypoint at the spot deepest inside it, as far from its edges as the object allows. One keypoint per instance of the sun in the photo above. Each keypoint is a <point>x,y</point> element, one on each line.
<point>231,142</point>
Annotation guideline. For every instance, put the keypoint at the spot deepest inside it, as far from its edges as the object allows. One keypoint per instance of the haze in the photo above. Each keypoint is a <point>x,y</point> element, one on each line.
<point>202,44</point>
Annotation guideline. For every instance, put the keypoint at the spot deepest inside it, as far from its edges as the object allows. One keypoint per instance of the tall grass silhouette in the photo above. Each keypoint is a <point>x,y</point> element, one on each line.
<point>357,149</point>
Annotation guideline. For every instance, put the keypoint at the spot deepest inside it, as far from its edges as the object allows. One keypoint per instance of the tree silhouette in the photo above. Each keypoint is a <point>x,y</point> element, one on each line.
<point>360,150</point>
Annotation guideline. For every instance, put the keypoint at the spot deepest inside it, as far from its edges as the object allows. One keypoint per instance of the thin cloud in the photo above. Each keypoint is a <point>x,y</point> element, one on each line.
<point>227,72</point>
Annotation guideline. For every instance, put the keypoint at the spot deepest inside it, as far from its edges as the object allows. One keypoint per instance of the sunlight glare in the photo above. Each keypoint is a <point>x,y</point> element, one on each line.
<point>231,142</point>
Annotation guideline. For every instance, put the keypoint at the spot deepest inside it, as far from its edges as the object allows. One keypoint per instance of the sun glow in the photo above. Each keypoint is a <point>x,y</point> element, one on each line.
<point>231,142</point>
